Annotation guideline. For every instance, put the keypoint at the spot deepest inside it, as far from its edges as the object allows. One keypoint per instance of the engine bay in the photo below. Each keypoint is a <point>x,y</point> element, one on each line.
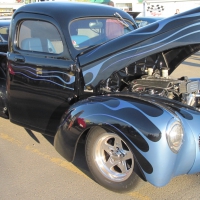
<point>154,79</point>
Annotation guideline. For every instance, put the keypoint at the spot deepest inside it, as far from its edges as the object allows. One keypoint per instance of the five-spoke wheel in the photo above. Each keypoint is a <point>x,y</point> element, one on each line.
<point>110,160</point>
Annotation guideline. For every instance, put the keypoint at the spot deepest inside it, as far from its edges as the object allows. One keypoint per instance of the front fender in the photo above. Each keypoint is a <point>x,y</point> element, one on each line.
<point>141,123</point>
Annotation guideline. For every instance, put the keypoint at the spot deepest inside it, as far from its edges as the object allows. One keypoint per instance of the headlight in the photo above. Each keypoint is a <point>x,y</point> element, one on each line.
<point>174,135</point>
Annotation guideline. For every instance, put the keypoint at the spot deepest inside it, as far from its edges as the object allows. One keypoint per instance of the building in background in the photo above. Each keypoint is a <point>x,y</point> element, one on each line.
<point>128,5</point>
<point>166,8</point>
<point>158,8</point>
<point>7,6</point>
<point>161,8</point>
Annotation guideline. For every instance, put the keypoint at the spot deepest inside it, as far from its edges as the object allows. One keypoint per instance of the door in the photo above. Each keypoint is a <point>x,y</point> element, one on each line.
<point>40,79</point>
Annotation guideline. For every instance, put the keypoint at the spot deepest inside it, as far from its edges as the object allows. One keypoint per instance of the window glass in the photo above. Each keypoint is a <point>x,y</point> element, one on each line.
<point>4,33</point>
<point>93,31</point>
<point>141,23</point>
<point>39,36</point>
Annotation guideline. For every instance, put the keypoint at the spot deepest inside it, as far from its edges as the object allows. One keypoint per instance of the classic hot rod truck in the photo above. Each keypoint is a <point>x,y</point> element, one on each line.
<point>84,71</point>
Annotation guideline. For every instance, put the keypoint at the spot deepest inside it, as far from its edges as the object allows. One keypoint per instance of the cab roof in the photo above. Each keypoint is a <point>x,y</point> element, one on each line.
<point>71,10</point>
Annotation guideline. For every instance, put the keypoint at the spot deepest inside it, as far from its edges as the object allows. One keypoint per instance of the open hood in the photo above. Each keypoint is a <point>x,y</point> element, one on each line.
<point>165,43</point>
<point>134,14</point>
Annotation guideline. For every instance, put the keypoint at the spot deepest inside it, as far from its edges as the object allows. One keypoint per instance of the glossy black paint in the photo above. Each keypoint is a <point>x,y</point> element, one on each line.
<point>83,116</point>
<point>97,110</point>
<point>71,128</point>
<point>3,47</point>
<point>3,101</point>
<point>71,102</point>
<point>27,90</point>
<point>37,102</point>
<point>42,97</point>
<point>3,54</point>
<point>171,36</point>
<point>119,114</point>
<point>69,11</point>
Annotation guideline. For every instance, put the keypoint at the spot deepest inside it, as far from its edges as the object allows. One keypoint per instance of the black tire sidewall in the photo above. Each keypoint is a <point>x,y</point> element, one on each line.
<point>124,186</point>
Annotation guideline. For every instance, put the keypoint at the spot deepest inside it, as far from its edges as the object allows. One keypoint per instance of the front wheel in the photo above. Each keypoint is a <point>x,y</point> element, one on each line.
<point>110,160</point>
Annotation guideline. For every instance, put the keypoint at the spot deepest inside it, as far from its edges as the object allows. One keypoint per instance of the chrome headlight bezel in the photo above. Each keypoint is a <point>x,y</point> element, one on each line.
<point>174,135</point>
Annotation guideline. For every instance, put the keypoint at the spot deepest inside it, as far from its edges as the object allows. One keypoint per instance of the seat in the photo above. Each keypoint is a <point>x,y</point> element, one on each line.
<point>32,44</point>
<point>37,44</point>
<point>51,48</point>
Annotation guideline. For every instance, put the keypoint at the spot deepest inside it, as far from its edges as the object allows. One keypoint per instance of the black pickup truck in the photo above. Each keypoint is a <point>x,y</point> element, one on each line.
<point>83,71</point>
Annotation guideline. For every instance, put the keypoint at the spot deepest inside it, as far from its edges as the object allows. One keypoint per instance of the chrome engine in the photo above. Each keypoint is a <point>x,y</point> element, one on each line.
<point>156,82</point>
<point>184,90</point>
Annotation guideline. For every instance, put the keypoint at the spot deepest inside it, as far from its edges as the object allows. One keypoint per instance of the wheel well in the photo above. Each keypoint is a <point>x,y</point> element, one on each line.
<point>82,140</point>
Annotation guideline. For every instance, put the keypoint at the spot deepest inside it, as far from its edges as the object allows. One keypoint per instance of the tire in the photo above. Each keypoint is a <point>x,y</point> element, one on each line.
<point>110,160</point>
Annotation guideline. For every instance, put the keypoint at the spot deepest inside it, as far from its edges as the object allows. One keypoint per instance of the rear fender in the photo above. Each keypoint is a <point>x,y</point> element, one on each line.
<point>3,104</point>
<point>3,101</point>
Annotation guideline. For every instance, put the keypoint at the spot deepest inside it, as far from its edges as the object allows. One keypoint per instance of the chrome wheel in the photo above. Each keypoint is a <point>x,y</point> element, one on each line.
<point>113,157</point>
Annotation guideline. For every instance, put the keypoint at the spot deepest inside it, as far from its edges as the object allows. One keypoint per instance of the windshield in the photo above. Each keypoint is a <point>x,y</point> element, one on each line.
<point>4,33</point>
<point>89,32</point>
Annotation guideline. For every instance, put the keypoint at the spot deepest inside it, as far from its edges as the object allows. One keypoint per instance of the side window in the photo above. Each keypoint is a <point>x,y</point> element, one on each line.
<point>39,36</point>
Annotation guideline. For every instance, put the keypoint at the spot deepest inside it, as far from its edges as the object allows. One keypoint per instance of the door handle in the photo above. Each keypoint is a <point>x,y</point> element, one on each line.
<point>20,59</point>
<point>39,71</point>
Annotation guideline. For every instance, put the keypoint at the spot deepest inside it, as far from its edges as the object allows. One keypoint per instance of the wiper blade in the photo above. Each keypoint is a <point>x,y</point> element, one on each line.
<point>122,21</point>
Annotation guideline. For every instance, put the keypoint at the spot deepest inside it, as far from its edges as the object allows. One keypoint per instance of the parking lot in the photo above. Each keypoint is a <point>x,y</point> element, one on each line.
<point>30,167</point>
